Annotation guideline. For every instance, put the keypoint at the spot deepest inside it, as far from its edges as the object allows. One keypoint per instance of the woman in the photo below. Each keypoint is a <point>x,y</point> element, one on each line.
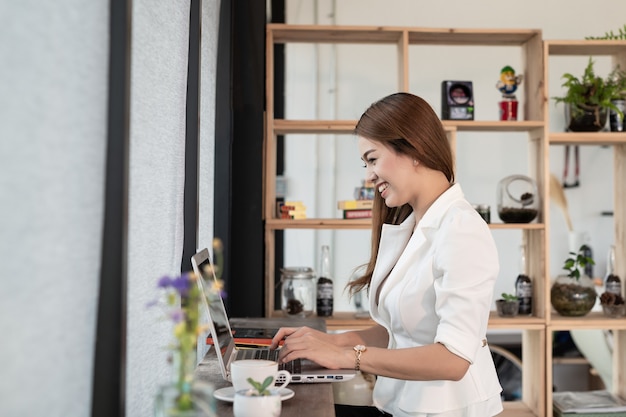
<point>430,278</point>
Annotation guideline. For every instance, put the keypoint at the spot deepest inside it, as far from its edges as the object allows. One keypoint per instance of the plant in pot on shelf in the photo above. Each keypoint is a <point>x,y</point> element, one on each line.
<point>508,305</point>
<point>574,294</point>
<point>588,100</point>
<point>617,78</point>
<point>612,304</point>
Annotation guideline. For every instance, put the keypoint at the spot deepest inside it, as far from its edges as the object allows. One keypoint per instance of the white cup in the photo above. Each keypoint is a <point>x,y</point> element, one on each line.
<point>258,370</point>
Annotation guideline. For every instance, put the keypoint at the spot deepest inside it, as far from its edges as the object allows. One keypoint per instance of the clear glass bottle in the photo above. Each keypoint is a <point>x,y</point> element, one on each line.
<point>524,286</point>
<point>612,282</point>
<point>325,285</point>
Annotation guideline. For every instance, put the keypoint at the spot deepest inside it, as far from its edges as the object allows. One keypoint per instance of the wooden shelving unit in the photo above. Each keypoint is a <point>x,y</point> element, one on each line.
<point>617,140</point>
<point>537,329</point>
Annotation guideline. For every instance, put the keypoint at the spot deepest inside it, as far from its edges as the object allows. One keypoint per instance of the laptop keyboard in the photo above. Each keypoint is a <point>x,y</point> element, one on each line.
<point>294,366</point>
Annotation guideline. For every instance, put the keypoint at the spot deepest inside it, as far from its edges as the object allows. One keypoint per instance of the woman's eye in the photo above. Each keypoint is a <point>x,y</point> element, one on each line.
<point>370,161</point>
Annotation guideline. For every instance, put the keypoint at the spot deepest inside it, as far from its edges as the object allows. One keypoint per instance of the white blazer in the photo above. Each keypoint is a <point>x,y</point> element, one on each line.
<point>439,288</point>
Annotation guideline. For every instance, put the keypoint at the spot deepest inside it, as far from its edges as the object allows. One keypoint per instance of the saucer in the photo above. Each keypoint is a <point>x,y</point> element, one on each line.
<point>228,394</point>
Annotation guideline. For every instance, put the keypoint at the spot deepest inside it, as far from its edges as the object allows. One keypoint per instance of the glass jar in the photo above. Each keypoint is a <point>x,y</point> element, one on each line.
<point>518,199</point>
<point>298,291</point>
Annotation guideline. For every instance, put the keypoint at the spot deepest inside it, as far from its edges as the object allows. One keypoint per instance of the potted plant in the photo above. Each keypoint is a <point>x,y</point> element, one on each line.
<point>574,294</point>
<point>258,401</point>
<point>508,305</point>
<point>612,304</point>
<point>588,99</point>
<point>617,77</point>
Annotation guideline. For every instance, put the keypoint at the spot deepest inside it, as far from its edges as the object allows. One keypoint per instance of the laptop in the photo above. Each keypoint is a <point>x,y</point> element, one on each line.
<point>302,370</point>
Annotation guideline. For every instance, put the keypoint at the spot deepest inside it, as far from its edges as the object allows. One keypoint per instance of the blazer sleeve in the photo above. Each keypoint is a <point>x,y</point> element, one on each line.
<point>465,268</point>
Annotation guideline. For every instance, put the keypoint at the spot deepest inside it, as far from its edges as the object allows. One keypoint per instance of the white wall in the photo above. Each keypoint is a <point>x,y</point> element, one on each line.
<point>339,82</point>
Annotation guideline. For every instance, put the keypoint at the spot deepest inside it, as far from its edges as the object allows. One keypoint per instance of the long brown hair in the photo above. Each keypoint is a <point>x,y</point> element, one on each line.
<point>408,125</point>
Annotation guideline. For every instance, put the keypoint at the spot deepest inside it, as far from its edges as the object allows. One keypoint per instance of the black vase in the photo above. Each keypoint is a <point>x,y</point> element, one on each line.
<point>587,118</point>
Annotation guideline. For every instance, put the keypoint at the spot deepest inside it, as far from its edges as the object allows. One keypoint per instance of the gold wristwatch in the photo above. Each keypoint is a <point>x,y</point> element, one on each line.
<point>358,351</point>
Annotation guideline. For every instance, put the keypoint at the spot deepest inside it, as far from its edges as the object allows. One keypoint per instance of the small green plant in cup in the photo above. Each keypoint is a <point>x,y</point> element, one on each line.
<point>260,389</point>
<point>508,297</point>
<point>508,305</point>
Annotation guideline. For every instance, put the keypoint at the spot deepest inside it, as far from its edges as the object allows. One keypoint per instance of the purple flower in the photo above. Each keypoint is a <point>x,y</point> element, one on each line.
<point>165,282</point>
<point>177,315</point>
<point>181,284</point>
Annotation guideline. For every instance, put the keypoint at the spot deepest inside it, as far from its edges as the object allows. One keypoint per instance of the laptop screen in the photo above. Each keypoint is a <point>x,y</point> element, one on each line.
<point>213,304</point>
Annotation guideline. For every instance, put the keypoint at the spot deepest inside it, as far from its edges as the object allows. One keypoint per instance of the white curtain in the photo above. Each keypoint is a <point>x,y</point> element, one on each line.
<point>53,99</point>
<point>53,127</point>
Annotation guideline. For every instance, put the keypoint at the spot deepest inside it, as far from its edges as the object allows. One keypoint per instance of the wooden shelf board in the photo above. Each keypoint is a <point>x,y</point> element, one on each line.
<point>334,34</point>
<point>570,361</point>
<point>519,322</point>
<point>472,37</point>
<point>517,226</point>
<point>280,224</point>
<point>517,409</point>
<point>283,127</point>
<point>588,138</point>
<point>584,47</point>
<point>493,126</point>
<point>593,320</point>
<point>392,34</point>
<point>316,223</point>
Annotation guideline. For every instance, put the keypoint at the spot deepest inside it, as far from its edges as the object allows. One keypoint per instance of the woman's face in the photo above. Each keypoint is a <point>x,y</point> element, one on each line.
<point>394,175</point>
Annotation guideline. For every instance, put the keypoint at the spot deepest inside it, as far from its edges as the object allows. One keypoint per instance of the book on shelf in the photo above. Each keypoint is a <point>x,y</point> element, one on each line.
<point>293,214</point>
<point>290,210</point>
<point>357,214</point>
<point>598,403</point>
<point>355,204</point>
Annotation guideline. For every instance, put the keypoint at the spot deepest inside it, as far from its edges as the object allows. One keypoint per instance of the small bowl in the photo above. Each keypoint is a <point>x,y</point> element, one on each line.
<point>613,311</point>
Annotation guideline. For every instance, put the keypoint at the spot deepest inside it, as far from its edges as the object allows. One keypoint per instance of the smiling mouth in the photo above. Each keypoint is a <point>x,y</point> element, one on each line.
<point>383,187</point>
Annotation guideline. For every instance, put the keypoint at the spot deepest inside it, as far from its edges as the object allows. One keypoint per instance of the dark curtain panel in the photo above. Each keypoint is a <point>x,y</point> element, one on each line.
<point>108,384</point>
<point>278,16</point>
<point>238,153</point>
<point>190,239</point>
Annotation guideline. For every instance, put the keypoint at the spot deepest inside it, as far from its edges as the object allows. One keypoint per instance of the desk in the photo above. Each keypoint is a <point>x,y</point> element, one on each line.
<point>311,400</point>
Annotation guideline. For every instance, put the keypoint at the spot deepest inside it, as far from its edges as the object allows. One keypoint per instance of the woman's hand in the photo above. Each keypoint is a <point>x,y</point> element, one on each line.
<point>314,345</point>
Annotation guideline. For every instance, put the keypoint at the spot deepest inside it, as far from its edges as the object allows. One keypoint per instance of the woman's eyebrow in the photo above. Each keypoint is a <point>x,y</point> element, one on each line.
<point>364,157</point>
